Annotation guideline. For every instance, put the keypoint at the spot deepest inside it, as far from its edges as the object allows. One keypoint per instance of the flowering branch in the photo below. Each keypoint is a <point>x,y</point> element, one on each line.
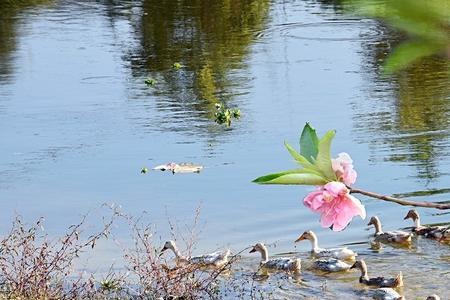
<point>333,178</point>
<point>400,201</point>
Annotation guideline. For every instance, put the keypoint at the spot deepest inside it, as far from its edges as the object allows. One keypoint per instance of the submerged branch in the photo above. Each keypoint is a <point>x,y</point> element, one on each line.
<point>401,201</point>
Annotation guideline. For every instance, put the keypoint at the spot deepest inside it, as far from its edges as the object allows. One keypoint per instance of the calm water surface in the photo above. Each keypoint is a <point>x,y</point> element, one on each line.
<point>77,123</point>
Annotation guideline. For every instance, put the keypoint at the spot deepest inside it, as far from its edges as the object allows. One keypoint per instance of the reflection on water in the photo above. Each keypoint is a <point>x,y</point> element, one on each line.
<point>408,121</point>
<point>209,39</point>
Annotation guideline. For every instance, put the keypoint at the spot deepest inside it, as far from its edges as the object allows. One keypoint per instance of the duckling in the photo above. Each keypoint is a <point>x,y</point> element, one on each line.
<point>216,259</point>
<point>396,236</point>
<point>287,264</point>
<point>331,265</point>
<point>428,231</point>
<point>377,281</point>
<point>339,253</point>
<point>386,294</point>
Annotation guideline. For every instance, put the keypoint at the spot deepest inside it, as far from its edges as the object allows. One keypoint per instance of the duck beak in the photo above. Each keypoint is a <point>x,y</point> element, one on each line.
<point>301,238</point>
<point>353,266</point>
<point>162,251</point>
<point>406,217</point>
<point>253,250</point>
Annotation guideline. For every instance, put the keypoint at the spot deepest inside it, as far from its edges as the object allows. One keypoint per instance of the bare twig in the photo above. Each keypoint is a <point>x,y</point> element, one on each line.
<point>401,201</point>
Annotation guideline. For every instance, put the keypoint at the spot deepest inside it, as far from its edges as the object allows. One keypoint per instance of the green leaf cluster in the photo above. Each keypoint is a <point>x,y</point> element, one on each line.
<point>314,159</point>
<point>224,115</point>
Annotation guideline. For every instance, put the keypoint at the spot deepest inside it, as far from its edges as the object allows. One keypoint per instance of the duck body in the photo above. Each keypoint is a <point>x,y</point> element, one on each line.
<point>331,265</point>
<point>397,236</point>
<point>336,253</point>
<point>436,232</point>
<point>342,253</point>
<point>381,282</point>
<point>386,294</point>
<point>215,260</point>
<point>285,264</point>
<point>282,264</point>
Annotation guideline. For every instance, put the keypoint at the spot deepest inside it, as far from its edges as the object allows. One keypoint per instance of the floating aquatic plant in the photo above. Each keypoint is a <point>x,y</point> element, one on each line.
<point>150,81</point>
<point>177,66</point>
<point>224,115</point>
<point>144,170</point>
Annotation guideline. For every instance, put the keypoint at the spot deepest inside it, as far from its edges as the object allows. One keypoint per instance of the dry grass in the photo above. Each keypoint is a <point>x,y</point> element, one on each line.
<point>33,266</point>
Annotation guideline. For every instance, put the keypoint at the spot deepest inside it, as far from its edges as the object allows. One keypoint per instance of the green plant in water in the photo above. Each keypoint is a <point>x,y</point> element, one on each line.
<point>150,81</point>
<point>427,23</point>
<point>177,66</point>
<point>224,115</point>
<point>144,170</point>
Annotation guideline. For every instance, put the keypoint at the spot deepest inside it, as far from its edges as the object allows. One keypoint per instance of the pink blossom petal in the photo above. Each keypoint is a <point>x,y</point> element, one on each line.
<point>349,176</point>
<point>357,207</point>
<point>314,200</point>
<point>335,188</point>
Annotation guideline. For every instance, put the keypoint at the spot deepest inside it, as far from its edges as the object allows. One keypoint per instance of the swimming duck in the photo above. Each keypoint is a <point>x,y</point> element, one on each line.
<point>331,265</point>
<point>428,231</point>
<point>445,237</point>
<point>386,294</point>
<point>377,281</point>
<point>396,236</point>
<point>287,264</point>
<point>216,259</point>
<point>339,253</point>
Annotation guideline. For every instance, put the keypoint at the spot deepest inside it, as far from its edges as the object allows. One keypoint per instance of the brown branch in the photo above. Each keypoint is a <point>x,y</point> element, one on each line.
<point>401,201</point>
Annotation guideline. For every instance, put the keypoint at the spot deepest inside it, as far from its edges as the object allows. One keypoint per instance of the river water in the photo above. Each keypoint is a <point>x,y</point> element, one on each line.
<point>77,124</point>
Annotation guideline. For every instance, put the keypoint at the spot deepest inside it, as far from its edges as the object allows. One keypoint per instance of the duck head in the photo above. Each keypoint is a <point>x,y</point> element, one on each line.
<point>307,235</point>
<point>168,245</point>
<point>359,264</point>
<point>412,214</point>
<point>259,247</point>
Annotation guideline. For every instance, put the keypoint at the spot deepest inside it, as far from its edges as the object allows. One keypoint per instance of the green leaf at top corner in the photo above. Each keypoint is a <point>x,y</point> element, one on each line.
<point>309,143</point>
<point>323,161</point>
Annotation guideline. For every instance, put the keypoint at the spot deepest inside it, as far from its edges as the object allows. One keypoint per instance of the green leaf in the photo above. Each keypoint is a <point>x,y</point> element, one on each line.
<point>298,157</point>
<point>407,53</point>
<point>298,177</point>
<point>323,161</point>
<point>309,143</point>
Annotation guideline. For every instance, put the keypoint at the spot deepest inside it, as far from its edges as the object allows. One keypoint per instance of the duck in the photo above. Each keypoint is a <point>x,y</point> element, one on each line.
<point>397,236</point>
<point>427,231</point>
<point>445,236</point>
<point>331,265</point>
<point>376,281</point>
<point>342,253</point>
<point>216,259</point>
<point>286,264</point>
<point>386,294</point>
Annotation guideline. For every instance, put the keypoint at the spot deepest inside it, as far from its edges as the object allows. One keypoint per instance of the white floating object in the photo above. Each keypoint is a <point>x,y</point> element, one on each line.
<point>179,168</point>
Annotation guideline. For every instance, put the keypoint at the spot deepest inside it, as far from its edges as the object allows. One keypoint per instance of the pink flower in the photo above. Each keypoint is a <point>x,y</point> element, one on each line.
<point>343,167</point>
<point>335,204</point>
